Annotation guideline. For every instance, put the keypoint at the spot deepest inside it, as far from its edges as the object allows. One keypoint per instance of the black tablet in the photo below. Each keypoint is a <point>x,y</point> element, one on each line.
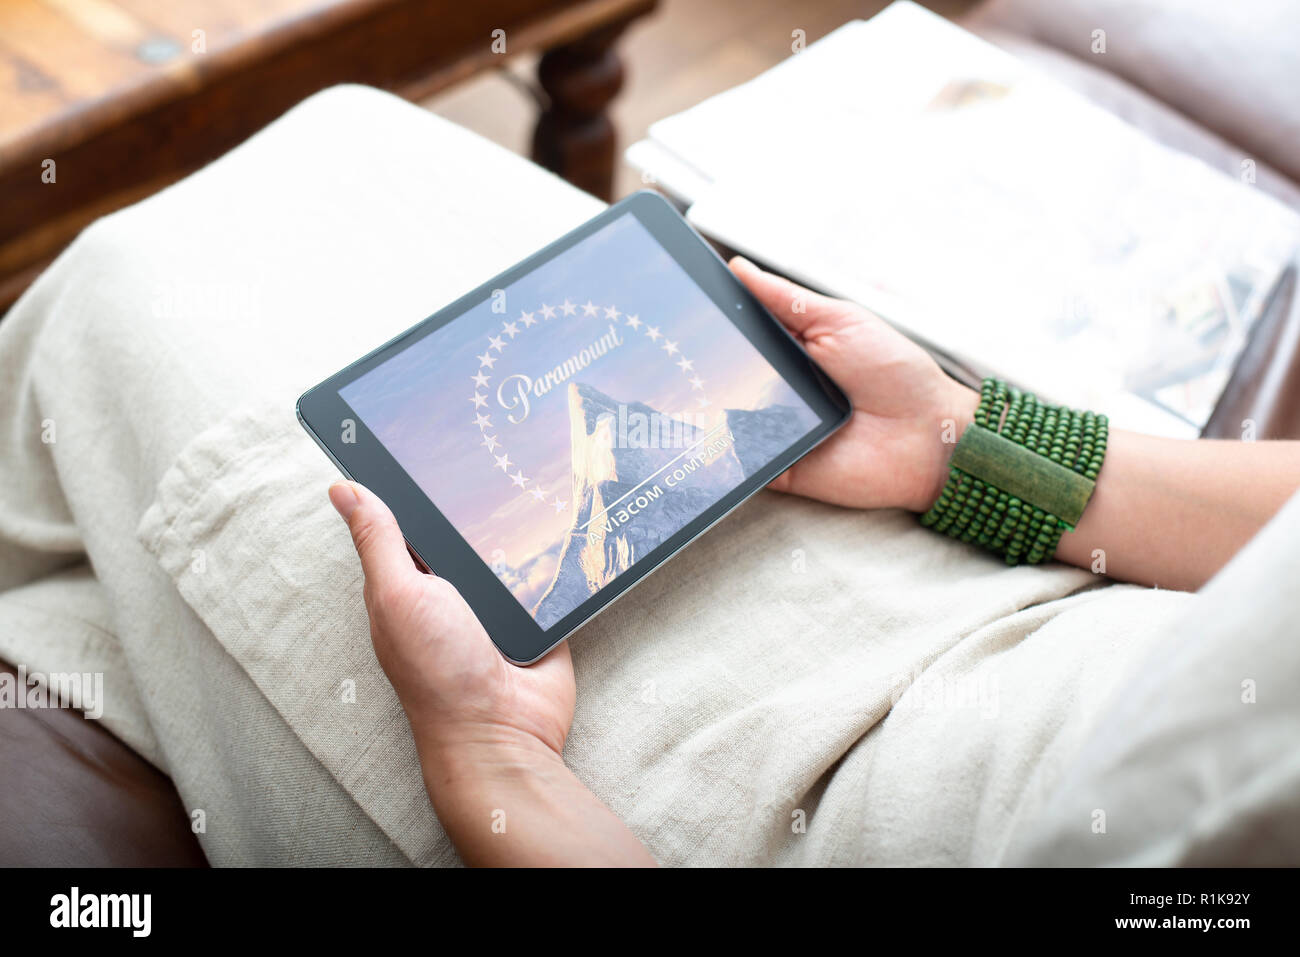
<point>552,437</point>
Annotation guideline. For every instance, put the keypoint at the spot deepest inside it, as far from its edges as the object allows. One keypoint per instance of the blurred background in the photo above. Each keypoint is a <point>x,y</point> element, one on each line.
<point>681,53</point>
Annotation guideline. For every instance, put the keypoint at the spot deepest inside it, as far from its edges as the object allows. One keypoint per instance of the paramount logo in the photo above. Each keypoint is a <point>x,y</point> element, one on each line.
<point>515,389</point>
<point>133,911</point>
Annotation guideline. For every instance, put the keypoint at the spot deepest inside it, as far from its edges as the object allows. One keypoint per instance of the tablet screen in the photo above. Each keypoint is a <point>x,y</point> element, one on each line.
<point>580,416</point>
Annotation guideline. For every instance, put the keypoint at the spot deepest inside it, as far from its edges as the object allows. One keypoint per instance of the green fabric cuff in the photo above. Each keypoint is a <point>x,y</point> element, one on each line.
<point>1023,473</point>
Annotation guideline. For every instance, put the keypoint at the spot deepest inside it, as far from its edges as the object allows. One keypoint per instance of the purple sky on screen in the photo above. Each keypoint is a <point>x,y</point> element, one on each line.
<point>420,403</point>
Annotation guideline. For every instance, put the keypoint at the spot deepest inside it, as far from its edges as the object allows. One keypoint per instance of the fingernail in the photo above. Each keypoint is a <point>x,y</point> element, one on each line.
<point>743,263</point>
<point>344,498</point>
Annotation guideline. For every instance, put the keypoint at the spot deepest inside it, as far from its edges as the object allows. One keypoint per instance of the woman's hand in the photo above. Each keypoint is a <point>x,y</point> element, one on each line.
<point>1165,512</point>
<point>489,735</point>
<point>907,412</point>
<point>454,684</point>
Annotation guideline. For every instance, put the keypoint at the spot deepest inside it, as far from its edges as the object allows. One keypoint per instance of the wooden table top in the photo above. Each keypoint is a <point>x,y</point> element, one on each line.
<point>89,62</point>
<point>126,96</point>
<point>71,68</point>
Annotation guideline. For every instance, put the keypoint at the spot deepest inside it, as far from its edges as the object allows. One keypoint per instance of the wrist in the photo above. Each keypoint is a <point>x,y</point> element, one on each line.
<point>485,787</point>
<point>468,757</point>
<point>1021,476</point>
<point>506,798</point>
<point>956,412</point>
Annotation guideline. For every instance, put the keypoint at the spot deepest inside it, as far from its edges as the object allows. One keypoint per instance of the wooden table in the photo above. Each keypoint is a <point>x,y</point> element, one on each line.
<point>103,102</point>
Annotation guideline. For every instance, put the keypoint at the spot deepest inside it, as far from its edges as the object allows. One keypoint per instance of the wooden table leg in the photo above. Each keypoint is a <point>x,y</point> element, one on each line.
<point>575,136</point>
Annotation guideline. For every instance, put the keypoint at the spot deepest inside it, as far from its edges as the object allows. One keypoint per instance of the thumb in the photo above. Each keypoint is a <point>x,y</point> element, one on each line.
<point>800,310</point>
<point>375,533</point>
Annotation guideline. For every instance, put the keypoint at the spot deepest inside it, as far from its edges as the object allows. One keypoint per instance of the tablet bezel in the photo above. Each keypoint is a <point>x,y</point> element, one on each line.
<point>436,542</point>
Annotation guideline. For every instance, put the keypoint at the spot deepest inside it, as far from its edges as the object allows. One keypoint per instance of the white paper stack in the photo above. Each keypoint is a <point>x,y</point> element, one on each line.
<point>992,214</point>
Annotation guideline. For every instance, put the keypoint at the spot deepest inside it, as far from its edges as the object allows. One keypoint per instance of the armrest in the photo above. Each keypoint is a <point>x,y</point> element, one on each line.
<point>76,796</point>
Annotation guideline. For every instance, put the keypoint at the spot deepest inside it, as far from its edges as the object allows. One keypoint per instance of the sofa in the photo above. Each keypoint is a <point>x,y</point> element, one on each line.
<point>342,177</point>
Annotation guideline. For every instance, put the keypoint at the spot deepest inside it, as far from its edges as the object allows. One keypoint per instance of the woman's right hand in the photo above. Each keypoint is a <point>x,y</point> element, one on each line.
<point>1165,512</point>
<point>907,413</point>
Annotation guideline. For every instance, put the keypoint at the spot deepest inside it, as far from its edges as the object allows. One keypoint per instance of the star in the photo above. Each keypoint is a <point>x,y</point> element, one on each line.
<point>496,343</point>
<point>538,494</point>
<point>527,319</point>
<point>697,383</point>
<point>548,312</point>
<point>482,421</point>
<point>518,479</point>
<point>702,401</point>
<point>510,329</point>
<point>652,332</point>
<point>634,322</point>
<point>478,400</point>
<point>589,309</point>
<point>486,359</point>
<point>480,379</point>
<point>503,462</point>
<point>559,505</point>
<point>685,364</point>
<point>669,346</point>
<point>490,442</point>
<point>612,313</point>
<point>568,308</point>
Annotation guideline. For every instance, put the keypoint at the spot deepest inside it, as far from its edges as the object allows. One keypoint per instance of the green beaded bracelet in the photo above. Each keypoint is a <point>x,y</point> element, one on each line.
<point>1021,475</point>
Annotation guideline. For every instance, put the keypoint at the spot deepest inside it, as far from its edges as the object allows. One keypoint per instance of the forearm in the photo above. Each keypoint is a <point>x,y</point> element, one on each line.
<point>1171,512</point>
<point>513,804</point>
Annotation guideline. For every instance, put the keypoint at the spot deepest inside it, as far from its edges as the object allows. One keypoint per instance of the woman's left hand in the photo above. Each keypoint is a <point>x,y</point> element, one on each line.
<point>490,735</point>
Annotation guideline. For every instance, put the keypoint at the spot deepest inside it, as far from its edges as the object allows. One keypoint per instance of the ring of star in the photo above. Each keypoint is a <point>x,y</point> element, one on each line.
<point>498,340</point>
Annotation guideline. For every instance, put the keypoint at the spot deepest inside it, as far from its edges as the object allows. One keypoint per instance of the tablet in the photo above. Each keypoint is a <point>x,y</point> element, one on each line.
<point>555,435</point>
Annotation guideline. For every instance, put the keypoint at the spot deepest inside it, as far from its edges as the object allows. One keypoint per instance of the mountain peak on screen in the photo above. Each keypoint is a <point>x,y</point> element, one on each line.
<point>639,475</point>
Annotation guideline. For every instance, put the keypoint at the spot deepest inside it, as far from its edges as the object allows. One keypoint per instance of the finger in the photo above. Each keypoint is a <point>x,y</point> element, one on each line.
<point>782,482</point>
<point>378,540</point>
<point>797,308</point>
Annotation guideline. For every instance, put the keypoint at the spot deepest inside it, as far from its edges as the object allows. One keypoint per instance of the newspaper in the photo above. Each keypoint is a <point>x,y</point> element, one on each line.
<point>992,214</point>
